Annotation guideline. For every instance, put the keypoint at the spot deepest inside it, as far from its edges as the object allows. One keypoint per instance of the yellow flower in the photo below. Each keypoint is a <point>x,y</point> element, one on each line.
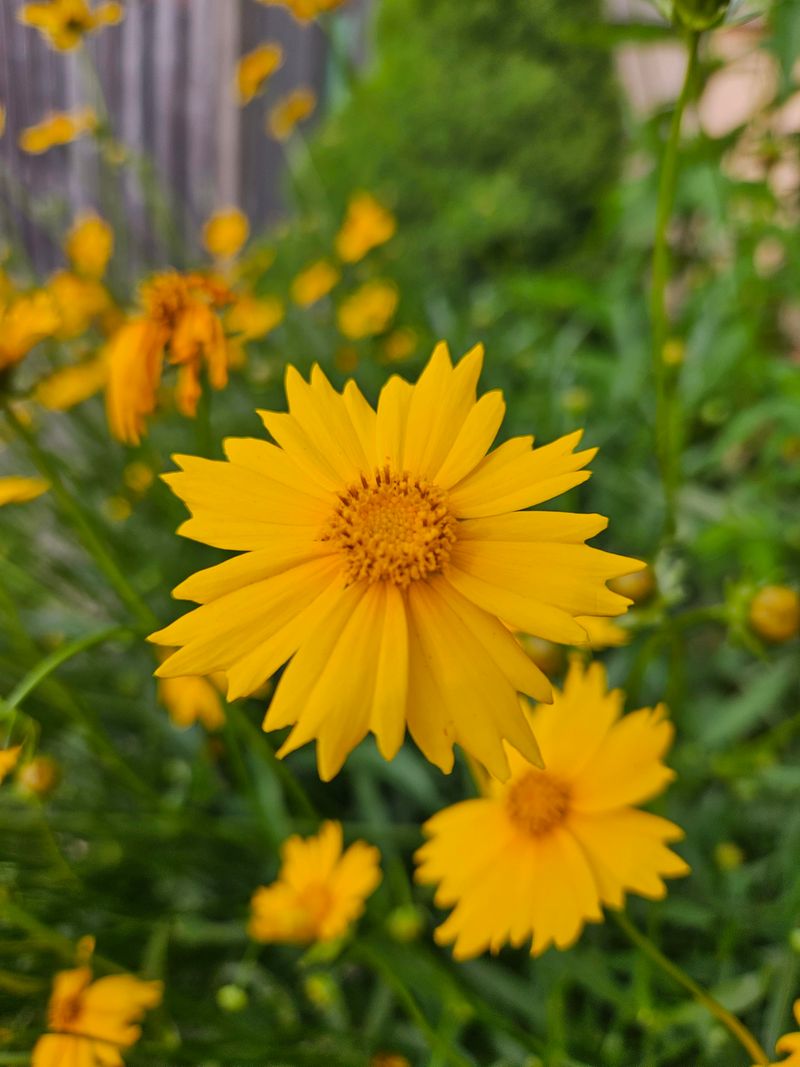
<point>225,232</point>
<point>790,1043</point>
<point>367,224</point>
<point>602,633</point>
<point>289,112</point>
<point>2,119</point>
<point>66,388</point>
<point>180,312</point>
<point>254,68</point>
<point>64,23</point>
<point>191,698</point>
<point>382,551</point>
<point>368,311</point>
<point>774,613</point>
<point>59,127</point>
<point>39,776</point>
<point>319,892</point>
<point>8,756</point>
<point>24,322</point>
<point>538,855</point>
<point>89,245</point>
<point>93,1021</point>
<point>78,302</point>
<point>251,317</point>
<point>400,344</point>
<point>305,10</point>
<point>314,282</point>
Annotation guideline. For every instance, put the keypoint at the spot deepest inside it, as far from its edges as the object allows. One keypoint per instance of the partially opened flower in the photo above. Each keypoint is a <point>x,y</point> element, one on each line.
<point>368,311</point>
<point>367,224</point>
<point>225,232</point>
<point>255,68</point>
<point>64,23</point>
<point>57,128</point>
<point>289,112</point>
<point>320,890</point>
<point>89,245</point>
<point>539,855</point>
<point>93,1022</point>
<point>15,490</point>
<point>385,552</point>
<point>790,1043</point>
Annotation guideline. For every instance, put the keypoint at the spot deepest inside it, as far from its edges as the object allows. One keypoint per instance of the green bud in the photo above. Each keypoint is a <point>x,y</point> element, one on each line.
<point>699,15</point>
<point>231,998</point>
<point>405,923</point>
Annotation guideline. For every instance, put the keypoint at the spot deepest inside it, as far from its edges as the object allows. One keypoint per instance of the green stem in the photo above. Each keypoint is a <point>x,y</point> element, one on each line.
<point>285,775</point>
<point>736,1028</point>
<point>667,446</point>
<point>82,522</point>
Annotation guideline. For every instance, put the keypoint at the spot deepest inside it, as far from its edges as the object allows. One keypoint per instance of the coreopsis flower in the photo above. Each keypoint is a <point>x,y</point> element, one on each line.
<point>225,232</point>
<point>89,246</point>
<point>79,302</point>
<point>70,386</point>
<point>314,282</point>
<point>25,320</point>
<point>539,855</point>
<point>367,224</point>
<point>9,757</point>
<point>790,1043</point>
<point>255,68</point>
<point>190,699</point>
<point>289,112</point>
<point>368,311</point>
<point>305,10</point>
<point>93,1022</point>
<point>181,316</point>
<point>381,552</point>
<point>320,890</point>
<point>774,613</point>
<point>57,128</point>
<point>64,23</point>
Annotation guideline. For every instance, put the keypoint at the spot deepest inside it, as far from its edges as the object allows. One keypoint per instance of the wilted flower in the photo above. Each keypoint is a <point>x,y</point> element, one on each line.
<point>254,68</point>
<point>314,282</point>
<point>58,128</point>
<point>381,552</point>
<point>289,112</point>
<point>320,890</point>
<point>540,854</point>
<point>367,224</point>
<point>368,311</point>
<point>64,23</point>
<point>89,245</point>
<point>225,232</point>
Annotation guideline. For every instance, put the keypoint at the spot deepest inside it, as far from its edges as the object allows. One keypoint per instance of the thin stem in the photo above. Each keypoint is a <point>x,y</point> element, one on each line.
<point>82,522</point>
<point>736,1028</point>
<point>667,447</point>
<point>285,775</point>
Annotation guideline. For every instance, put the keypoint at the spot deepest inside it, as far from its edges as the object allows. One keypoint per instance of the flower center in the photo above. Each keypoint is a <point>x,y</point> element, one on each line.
<point>65,1011</point>
<point>537,802</point>
<point>392,528</point>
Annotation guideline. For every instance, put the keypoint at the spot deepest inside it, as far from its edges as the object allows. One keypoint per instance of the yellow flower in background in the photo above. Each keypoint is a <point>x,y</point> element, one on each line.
<point>320,890</point>
<point>254,68</point>
<point>57,128</point>
<point>314,282</point>
<point>368,311</point>
<point>2,119</point>
<point>790,1043</point>
<point>289,112</point>
<point>78,301</point>
<point>25,321</point>
<point>602,633</point>
<point>251,317</point>
<point>9,757</point>
<point>225,232</point>
<point>380,553</point>
<point>539,855</point>
<point>39,776</point>
<point>64,23</point>
<point>181,313</point>
<point>66,388</point>
<point>774,613</point>
<point>89,246</point>
<point>367,224</point>
<point>191,699</point>
<point>400,344</point>
<point>14,490</point>
<point>93,1021</point>
<point>305,10</point>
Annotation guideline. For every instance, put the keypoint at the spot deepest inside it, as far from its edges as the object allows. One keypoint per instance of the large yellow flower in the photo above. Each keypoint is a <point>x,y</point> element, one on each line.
<point>381,551</point>
<point>790,1043</point>
<point>93,1021</point>
<point>539,854</point>
<point>64,23</point>
<point>320,891</point>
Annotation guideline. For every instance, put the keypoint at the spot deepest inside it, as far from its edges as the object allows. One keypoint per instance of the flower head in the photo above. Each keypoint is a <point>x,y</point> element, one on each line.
<point>540,854</point>
<point>225,232</point>
<point>385,551</point>
<point>89,245</point>
<point>367,224</point>
<point>319,892</point>
<point>58,128</point>
<point>368,311</point>
<point>289,112</point>
<point>93,1021</point>
<point>314,282</point>
<point>25,320</point>
<point>790,1043</point>
<point>64,23</point>
<point>254,68</point>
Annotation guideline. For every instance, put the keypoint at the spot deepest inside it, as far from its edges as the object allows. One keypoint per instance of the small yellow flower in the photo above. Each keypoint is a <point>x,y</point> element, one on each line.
<point>293,109</point>
<point>314,282</point>
<point>790,1043</point>
<point>2,119</point>
<point>320,891</point>
<point>368,311</point>
<point>225,232</point>
<point>775,613</point>
<point>89,245</point>
<point>9,757</point>
<point>93,1021</point>
<point>78,301</point>
<point>540,854</point>
<point>367,224</point>
<point>254,68</point>
<point>57,128</point>
<point>305,10</point>
<point>66,388</point>
<point>25,321</point>
<point>64,23</point>
<point>251,317</point>
<point>601,633</point>
<point>191,698</point>
<point>138,476</point>
<point>400,344</point>
<point>39,776</point>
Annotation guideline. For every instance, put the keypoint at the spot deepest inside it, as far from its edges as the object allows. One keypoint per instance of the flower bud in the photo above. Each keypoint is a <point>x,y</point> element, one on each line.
<point>39,776</point>
<point>774,613</point>
<point>699,15</point>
